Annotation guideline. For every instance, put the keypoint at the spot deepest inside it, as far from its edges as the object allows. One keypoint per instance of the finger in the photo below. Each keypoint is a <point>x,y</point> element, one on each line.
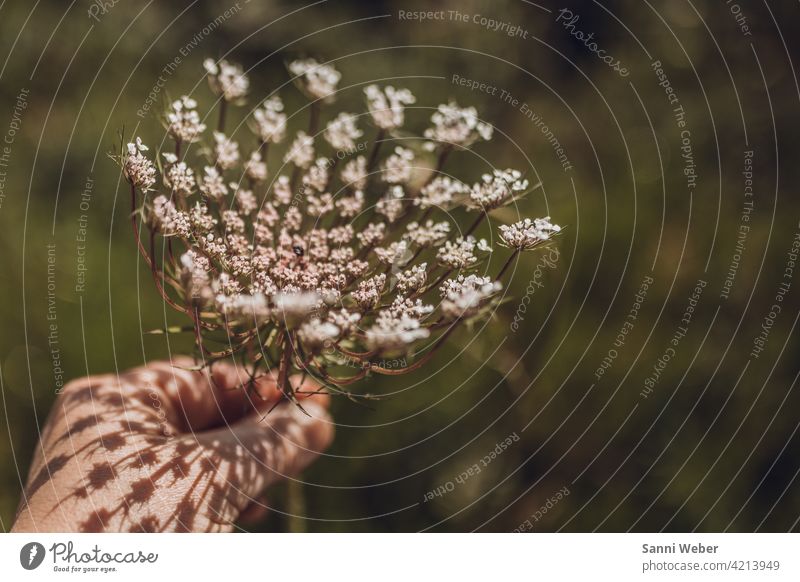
<point>198,400</point>
<point>216,396</point>
<point>266,449</point>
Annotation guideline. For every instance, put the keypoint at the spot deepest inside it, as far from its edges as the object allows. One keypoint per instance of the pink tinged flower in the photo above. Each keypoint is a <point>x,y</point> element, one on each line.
<point>341,234</point>
<point>387,105</point>
<point>282,190</point>
<point>213,185</point>
<point>432,234</point>
<point>227,80</point>
<point>201,219</point>
<point>226,151</point>
<point>396,253</point>
<point>392,204</point>
<point>293,308</point>
<point>195,278</point>
<point>527,234</point>
<point>442,192</point>
<point>301,152</point>
<point>398,167</point>
<point>394,334</point>
<point>372,234</point>
<point>367,294</point>
<point>316,333</point>
<point>316,178</point>
<point>405,307</point>
<point>465,297</point>
<point>138,170</point>
<point>347,321</point>
<point>249,309</point>
<point>350,206</point>
<point>168,220</point>
<point>179,177</point>
<point>354,173</point>
<point>183,121</point>
<point>460,254</point>
<point>497,189</point>
<point>412,279</point>
<point>245,201</point>
<point>270,121</point>
<point>342,132</point>
<point>456,126</point>
<point>318,81</point>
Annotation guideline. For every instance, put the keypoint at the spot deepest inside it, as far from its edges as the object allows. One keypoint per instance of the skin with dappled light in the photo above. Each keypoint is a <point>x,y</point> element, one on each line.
<point>166,448</point>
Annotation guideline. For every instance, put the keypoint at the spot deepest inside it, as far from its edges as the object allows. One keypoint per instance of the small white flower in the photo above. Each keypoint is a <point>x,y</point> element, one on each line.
<point>527,234</point>
<point>458,254</point>
<point>196,282</point>
<point>226,151</point>
<point>372,234</point>
<point>392,204</point>
<point>138,170</point>
<point>432,234</point>
<point>256,168</point>
<point>350,206</point>
<point>167,219</point>
<point>213,185</point>
<point>301,152</point>
<point>282,190</point>
<point>404,307</point>
<point>227,80</point>
<point>245,200</point>
<point>346,321</point>
<point>316,333</point>
<point>354,173</point>
<point>319,81</point>
<point>464,296</point>
<point>391,333</point>
<point>412,279</point>
<point>496,189</point>
<point>292,308</point>
<point>396,253</point>
<point>456,126</point>
<point>183,121</point>
<point>316,178</point>
<point>270,121</point>
<point>247,308</point>
<point>368,293</point>
<point>398,167</point>
<point>442,192</point>
<point>180,178</point>
<point>342,132</point>
<point>387,105</point>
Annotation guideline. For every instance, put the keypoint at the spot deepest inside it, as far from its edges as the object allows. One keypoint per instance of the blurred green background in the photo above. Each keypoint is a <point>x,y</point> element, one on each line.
<point>713,447</point>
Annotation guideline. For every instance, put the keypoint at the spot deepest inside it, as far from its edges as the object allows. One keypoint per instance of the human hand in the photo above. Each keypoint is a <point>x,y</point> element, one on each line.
<point>161,448</point>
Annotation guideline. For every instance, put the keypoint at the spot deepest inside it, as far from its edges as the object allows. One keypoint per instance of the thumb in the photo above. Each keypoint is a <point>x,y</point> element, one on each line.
<point>263,448</point>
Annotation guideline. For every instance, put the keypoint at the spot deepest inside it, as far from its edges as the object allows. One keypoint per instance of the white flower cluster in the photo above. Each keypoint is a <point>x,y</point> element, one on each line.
<point>183,121</point>
<point>527,234</point>
<point>464,296</point>
<point>497,189</point>
<point>318,80</point>
<point>342,132</point>
<point>387,105</point>
<point>456,126</point>
<point>270,121</point>
<point>339,258</point>
<point>227,80</point>
<point>139,170</point>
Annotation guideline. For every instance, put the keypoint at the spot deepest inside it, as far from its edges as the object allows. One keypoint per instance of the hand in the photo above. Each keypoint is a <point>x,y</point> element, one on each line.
<point>161,448</point>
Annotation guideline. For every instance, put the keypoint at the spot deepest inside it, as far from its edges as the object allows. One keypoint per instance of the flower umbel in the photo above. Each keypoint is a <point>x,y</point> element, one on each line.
<point>340,257</point>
